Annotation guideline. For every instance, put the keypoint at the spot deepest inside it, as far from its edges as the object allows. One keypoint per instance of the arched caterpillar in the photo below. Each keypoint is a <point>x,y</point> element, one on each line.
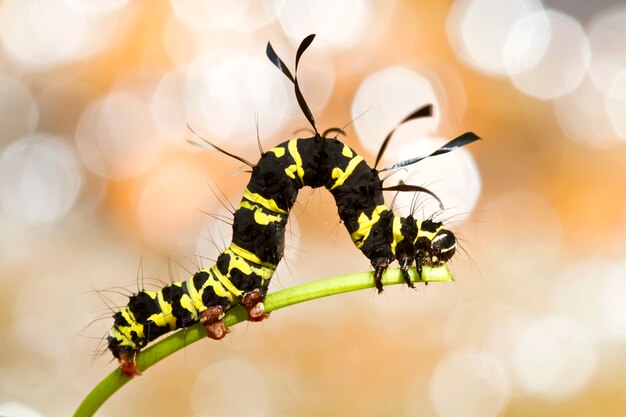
<point>242,272</point>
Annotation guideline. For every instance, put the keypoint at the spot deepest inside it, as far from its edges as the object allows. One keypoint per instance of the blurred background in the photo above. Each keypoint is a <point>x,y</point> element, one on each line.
<point>100,194</point>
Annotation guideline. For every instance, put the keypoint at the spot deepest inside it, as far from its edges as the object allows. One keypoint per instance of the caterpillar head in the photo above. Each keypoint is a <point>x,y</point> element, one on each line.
<point>435,245</point>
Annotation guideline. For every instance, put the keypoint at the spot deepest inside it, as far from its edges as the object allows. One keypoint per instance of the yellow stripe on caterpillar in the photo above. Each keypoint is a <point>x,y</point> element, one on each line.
<point>192,300</point>
<point>268,203</point>
<point>115,333</point>
<point>365,225</point>
<point>195,296</point>
<point>249,256</point>
<point>292,170</point>
<point>187,304</point>
<point>424,233</point>
<point>397,234</point>
<point>278,151</point>
<point>259,216</point>
<point>247,267</point>
<point>165,317</point>
<point>223,287</point>
<point>134,326</point>
<point>341,176</point>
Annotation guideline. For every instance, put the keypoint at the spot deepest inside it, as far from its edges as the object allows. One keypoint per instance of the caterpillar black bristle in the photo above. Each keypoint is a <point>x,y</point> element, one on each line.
<point>242,272</point>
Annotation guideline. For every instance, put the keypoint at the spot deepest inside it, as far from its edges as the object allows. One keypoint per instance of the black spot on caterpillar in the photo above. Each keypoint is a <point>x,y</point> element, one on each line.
<point>242,272</point>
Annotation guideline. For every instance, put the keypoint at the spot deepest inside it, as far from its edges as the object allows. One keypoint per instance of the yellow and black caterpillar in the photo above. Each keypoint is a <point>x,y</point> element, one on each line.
<point>242,272</point>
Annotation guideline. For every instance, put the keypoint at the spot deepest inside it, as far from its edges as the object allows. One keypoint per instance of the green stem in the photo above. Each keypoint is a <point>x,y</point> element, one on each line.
<point>274,301</point>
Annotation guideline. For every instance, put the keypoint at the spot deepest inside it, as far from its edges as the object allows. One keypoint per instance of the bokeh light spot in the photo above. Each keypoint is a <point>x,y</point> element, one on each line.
<point>19,112</point>
<point>15,409</point>
<point>453,177</point>
<point>116,136</point>
<point>527,42</point>
<point>168,108</point>
<point>42,34</point>
<point>470,384</point>
<point>39,178</point>
<point>612,306</point>
<point>338,23</point>
<point>609,54</point>
<point>565,58</point>
<point>554,357</point>
<point>243,15</point>
<point>96,7</point>
<point>583,116</point>
<point>383,100</point>
<point>479,29</point>
<point>224,99</point>
<point>616,104</point>
<point>590,292</point>
<point>194,13</point>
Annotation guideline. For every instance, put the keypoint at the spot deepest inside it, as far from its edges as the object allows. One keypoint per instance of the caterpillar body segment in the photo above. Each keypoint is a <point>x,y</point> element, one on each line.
<point>203,298</point>
<point>242,272</point>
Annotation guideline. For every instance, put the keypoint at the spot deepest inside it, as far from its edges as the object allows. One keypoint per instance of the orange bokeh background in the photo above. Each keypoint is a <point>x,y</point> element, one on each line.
<point>100,194</point>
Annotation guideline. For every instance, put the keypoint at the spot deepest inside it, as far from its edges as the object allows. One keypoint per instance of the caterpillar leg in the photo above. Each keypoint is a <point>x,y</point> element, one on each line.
<point>126,357</point>
<point>213,321</point>
<point>379,264</point>
<point>404,268</point>
<point>418,267</point>
<point>252,301</point>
